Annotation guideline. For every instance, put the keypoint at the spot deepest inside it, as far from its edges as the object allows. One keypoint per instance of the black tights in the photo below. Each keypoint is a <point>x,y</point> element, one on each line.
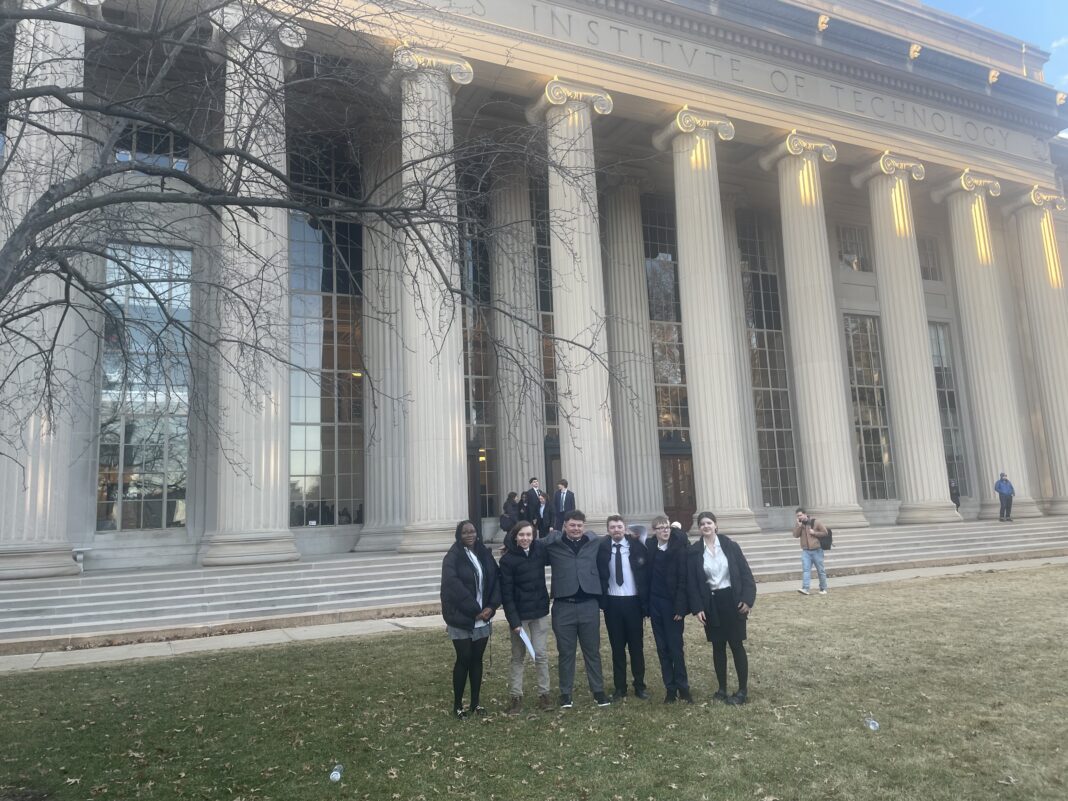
<point>741,664</point>
<point>468,663</point>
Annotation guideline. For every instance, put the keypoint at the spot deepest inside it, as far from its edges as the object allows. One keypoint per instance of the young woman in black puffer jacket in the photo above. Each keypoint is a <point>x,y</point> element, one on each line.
<point>526,606</point>
<point>470,596</point>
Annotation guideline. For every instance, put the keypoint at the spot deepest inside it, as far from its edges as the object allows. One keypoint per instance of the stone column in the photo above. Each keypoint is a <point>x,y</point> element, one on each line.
<point>516,328</point>
<point>747,422</point>
<point>586,437</point>
<point>999,435</point>
<point>252,507</point>
<point>922,480</point>
<point>630,350</point>
<point>823,415</point>
<point>431,314</point>
<point>384,401</point>
<point>1047,315</point>
<point>37,445</point>
<point>720,473</point>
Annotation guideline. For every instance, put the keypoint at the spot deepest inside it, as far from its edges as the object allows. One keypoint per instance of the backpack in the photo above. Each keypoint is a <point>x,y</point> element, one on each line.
<point>828,541</point>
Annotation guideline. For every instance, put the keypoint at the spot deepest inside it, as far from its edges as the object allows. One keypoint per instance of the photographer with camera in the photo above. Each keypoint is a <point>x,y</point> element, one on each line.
<point>809,532</point>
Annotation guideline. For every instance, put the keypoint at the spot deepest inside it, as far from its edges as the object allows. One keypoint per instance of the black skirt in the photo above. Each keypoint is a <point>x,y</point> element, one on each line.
<point>723,623</point>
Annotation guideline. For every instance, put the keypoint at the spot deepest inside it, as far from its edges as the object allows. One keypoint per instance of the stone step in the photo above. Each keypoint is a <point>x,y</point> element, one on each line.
<point>337,579</point>
<point>129,601</point>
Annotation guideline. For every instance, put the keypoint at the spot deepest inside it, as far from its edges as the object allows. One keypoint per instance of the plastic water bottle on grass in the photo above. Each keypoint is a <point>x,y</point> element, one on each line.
<point>335,774</point>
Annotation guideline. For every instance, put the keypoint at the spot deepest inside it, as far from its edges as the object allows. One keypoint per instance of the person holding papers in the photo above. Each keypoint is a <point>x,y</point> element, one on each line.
<point>470,595</point>
<point>526,606</point>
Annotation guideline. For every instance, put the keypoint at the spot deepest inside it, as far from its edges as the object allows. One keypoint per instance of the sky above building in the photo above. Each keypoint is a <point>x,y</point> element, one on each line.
<point>1040,22</point>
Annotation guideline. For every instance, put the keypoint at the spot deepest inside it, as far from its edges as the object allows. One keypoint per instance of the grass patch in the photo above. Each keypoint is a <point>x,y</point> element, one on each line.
<point>966,675</point>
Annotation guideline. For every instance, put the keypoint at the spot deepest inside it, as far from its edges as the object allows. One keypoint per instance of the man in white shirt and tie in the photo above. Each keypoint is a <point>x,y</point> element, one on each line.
<point>622,564</point>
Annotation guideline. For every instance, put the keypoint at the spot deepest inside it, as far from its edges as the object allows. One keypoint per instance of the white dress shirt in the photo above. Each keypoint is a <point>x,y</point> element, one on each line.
<point>717,571</point>
<point>628,587</point>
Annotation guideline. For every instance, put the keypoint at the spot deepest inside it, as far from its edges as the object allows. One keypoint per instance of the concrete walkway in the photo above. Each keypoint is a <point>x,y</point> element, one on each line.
<point>360,628</point>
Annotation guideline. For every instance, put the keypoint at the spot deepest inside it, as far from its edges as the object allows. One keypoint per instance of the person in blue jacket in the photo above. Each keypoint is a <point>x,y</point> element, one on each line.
<point>1003,487</point>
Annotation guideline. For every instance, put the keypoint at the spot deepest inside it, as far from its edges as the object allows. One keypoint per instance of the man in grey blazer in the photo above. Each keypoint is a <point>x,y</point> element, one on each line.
<point>576,592</point>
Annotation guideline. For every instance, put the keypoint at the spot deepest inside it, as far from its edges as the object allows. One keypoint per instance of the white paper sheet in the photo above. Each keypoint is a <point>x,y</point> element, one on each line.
<point>526,641</point>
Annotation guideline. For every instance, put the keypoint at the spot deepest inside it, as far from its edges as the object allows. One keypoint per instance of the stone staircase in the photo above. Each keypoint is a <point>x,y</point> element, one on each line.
<point>133,606</point>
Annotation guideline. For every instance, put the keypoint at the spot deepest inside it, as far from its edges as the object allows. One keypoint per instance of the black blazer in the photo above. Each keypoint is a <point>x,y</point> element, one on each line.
<point>675,567</point>
<point>523,590</point>
<point>459,606</point>
<point>532,505</point>
<point>639,567</point>
<point>743,586</point>
<point>569,505</point>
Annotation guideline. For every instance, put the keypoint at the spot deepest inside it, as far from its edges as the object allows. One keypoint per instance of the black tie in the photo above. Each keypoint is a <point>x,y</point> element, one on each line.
<point>619,564</point>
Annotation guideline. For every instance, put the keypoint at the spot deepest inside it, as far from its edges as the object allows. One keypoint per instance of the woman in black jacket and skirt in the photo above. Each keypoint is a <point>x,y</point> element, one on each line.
<point>721,590</point>
<point>668,606</point>
<point>470,595</point>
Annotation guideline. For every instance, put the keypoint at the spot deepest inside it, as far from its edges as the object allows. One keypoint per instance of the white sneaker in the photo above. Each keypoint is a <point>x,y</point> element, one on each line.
<point>803,591</point>
<point>823,592</point>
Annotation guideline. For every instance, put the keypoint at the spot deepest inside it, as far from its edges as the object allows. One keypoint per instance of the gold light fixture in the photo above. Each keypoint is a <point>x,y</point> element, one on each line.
<point>823,22</point>
<point>992,76</point>
<point>914,51</point>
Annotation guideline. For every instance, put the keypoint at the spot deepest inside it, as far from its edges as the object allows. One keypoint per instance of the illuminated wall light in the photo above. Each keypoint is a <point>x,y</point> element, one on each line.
<point>914,51</point>
<point>992,76</point>
<point>822,23</point>
<point>1062,98</point>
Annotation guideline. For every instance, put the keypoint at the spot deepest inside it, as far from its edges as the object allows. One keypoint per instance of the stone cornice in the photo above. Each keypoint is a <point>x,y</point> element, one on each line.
<point>688,121</point>
<point>888,164</point>
<point>560,92</point>
<point>714,28</point>
<point>1036,197</point>
<point>968,181</point>
<point>797,144</point>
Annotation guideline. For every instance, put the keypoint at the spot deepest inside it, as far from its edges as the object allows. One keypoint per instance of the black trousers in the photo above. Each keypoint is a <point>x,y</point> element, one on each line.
<point>668,634</point>
<point>625,623</point>
<point>1006,506</point>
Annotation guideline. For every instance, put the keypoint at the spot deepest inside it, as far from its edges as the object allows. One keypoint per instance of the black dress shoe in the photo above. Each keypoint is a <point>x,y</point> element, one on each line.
<point>459,713</point>
<point>619,695</point>
<point>737,699</point>
<point>719,695</point>
<point>643,694</point>
<point>478,710</point>
<point>671,696</point>
<point>684,695</point>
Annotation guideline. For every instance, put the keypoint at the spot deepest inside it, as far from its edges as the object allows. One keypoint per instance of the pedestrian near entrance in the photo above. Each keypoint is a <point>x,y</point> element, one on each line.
<point>563,502</point>
<point>526,606</point>
<point>621,562</point>
<point>576,592</point>
<point>470,596</point>
<point>721,590</point>
<point>668,607</point>
<point>810,531</point>
<point>1003,487</point>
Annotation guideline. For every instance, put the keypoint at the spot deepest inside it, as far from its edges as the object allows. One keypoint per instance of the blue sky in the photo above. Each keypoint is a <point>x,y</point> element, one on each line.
<point>1041,22</point>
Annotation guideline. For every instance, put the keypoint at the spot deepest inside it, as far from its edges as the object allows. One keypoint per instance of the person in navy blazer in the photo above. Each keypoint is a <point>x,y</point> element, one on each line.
<point>563,502</point>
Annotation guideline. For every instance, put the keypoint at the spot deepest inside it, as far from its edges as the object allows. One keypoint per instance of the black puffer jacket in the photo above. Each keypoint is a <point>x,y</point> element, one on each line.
<point>673,563</point>
<point>459,606</point>
<point>523,591</point>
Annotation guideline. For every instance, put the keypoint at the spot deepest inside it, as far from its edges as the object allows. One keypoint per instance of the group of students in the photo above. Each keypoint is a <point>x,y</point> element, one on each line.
<point>627,575</point>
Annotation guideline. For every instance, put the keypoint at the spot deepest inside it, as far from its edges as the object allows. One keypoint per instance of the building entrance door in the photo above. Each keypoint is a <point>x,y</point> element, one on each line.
<point>679,501</point>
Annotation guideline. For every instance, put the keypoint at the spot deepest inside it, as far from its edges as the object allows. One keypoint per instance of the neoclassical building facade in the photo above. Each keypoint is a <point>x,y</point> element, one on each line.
<point>771,253</point>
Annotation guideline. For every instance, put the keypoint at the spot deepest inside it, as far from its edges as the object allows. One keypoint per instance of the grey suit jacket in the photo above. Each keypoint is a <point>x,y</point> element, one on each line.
<point>573,571</point>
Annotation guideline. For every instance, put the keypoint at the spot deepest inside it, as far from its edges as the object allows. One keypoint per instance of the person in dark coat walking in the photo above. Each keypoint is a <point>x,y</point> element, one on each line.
<point>668,606</point>
<point>470,596</point>
<point>622,563</point>
<point>721,590</point>
<point>526,606</point>
<point>510,512</point>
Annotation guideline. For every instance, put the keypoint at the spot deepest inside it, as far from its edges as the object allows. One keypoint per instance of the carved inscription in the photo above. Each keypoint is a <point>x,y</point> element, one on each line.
<point>569,26</point>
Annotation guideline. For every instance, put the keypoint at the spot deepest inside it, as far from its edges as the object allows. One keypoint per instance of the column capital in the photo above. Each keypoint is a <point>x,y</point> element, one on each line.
<point>255,26</point>
<point>968,181</point>
<point>1036,197</point>
<point>689,120</point>
<point>415,59</point>
<point>889,164</point>
<point>797,144</point>
<point>559,92</point>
